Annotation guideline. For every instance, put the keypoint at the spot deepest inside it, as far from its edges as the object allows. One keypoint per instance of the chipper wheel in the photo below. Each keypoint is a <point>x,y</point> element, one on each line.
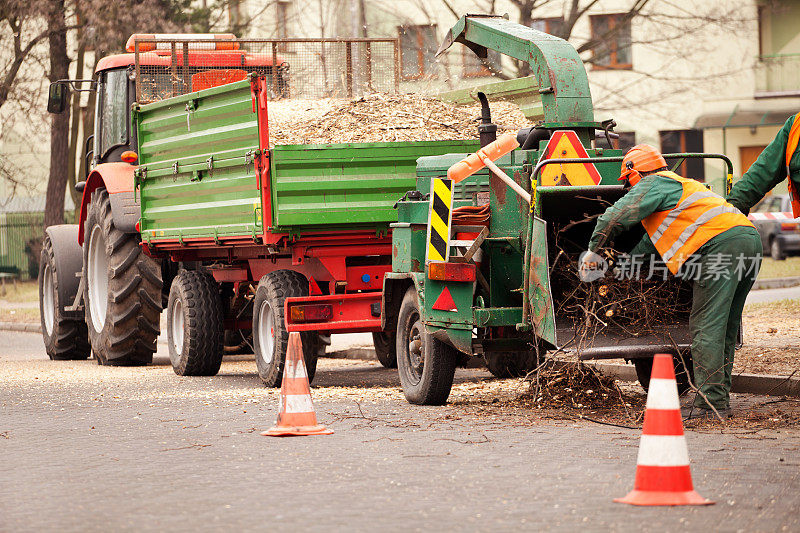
<point>426,365</point>
<point>511,364</point>
<point>269,327</point>
<point>195,328</point>
<point>644,367</point>
<point>385,348</point>
<point>65,335</point>
<point>123,290</point>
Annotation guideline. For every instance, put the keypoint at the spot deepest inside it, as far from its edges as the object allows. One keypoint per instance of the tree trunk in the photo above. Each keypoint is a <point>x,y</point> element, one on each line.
<point>59,129</point>
<point>526,19</point>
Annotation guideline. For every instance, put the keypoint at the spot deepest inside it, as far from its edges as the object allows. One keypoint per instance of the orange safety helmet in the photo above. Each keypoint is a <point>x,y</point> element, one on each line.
<point>640,158</point>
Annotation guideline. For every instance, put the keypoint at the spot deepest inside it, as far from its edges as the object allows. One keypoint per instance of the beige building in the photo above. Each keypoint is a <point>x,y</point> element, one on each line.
<point>698,75</point>
<point>716,76</point>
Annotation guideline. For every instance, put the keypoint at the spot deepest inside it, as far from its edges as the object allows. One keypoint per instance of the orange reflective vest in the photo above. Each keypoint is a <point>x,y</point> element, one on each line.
<point>791,146</point>
<point>699,215</point>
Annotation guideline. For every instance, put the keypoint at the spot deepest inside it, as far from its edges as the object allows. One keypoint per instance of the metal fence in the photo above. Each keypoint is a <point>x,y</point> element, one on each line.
<point>295,68</point>
<point>20,244</point>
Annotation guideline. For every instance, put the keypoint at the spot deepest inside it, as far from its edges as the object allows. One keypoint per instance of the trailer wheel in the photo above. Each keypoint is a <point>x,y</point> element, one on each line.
<point>194,318</point>
<point>385,348</point>
<point>426,365</point>
<point>65,338</point>
<point>644,367</point>
<point>270,338</point>
<point>511,364</point>
<point>123,290</point>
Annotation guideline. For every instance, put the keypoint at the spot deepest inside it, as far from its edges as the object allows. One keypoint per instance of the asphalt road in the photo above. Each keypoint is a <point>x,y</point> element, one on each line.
<point>96,449</point>
<point>771,295</point>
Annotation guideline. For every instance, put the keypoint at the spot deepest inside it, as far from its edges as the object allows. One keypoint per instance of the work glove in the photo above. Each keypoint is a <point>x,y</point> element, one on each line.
<point>591,266</point>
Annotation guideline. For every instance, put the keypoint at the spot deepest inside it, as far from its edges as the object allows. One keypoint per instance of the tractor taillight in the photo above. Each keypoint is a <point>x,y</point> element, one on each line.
<point>311,313</point>
<point>789,226</point>
<point>441,271</point>
<point>129,156</point>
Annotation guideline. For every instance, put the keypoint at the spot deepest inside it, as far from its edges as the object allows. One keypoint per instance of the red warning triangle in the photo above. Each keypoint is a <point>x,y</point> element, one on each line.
<point>313,287</point>
<point>445,302</point>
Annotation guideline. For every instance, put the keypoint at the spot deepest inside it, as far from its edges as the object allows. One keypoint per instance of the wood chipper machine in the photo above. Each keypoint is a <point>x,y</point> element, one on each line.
<point>493,273</point>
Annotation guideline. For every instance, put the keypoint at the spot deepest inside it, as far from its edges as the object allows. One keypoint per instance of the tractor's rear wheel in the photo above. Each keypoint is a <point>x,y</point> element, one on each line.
<point>385,348</point>
<point>426,365</point>
<point>123,290</point>
<point>65,338</point>
<point>270,337</point>
<point>195,316</point>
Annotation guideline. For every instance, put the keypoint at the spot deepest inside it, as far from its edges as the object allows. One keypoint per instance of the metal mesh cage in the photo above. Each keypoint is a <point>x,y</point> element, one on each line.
<point>295,68</point>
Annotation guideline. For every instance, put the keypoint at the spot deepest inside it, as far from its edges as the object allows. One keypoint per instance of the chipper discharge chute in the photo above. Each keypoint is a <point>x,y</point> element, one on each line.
<point>508,290</point>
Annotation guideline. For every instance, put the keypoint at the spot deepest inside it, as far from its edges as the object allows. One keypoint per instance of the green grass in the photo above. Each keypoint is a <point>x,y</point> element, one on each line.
<point>779,269</point>
<point>26,315</point>
<point>24,291</point>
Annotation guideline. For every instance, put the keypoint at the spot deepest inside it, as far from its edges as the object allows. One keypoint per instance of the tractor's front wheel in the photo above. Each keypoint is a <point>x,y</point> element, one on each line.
<point>426,365</point>
<point>123,290</point>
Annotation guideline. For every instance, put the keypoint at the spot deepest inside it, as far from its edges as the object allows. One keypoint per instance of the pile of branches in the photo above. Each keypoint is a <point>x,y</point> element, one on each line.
<point>383,117</point>
<point>616,304</point>
<point>574,385</point>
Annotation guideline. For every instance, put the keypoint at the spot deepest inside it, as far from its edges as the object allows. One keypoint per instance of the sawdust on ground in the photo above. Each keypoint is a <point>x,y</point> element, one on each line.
<point>383,117</point>
<point>771,340</point>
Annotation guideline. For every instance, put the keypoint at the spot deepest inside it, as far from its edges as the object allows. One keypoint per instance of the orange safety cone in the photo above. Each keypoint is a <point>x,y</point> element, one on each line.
<point>296,416</point>
<point>662,469</point>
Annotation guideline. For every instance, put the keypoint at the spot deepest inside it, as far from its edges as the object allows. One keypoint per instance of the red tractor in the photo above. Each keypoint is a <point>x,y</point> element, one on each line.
<point>71,305</point>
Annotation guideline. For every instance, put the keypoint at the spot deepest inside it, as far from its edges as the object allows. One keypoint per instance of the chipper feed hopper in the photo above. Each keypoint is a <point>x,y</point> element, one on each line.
<point>509,289</point>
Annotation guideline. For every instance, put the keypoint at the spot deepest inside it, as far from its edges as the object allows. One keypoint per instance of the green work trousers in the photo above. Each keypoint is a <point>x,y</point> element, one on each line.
<point>728,266</point>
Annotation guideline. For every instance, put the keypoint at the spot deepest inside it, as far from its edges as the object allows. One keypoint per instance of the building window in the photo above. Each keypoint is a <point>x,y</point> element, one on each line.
<point>282,19</point>
<point>417,51</point>
<point>473,67</point>
<point>682,141</point>
<point>613,36</point>
<point>626,141</point>
<point>550,25</point>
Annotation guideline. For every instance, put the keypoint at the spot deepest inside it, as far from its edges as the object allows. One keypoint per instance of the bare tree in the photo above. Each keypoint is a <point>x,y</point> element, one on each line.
<point>59,129</point>
<point>677,32</point>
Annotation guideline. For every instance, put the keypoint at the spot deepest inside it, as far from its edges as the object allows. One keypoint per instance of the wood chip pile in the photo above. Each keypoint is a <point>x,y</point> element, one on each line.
<point>383,118</point>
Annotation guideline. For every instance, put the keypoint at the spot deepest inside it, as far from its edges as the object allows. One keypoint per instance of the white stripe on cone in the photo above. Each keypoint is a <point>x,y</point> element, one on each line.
<point>298,403</point>
<point>295,369</point>
<point>662,450</point>
<point>663,394</point>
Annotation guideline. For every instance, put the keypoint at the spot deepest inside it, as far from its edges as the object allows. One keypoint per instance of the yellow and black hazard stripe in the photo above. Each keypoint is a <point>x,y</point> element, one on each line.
<point>439,220</point>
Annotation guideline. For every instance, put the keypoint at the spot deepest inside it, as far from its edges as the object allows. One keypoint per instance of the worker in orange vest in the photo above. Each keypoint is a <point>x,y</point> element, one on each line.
<point>778,161</point>
<point>689,225</point>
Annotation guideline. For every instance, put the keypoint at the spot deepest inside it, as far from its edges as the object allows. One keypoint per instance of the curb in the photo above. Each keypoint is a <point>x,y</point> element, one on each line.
<point>776,283</point>
<point>21,326</point>
<point>353,353</point>
<point>764,384</point>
